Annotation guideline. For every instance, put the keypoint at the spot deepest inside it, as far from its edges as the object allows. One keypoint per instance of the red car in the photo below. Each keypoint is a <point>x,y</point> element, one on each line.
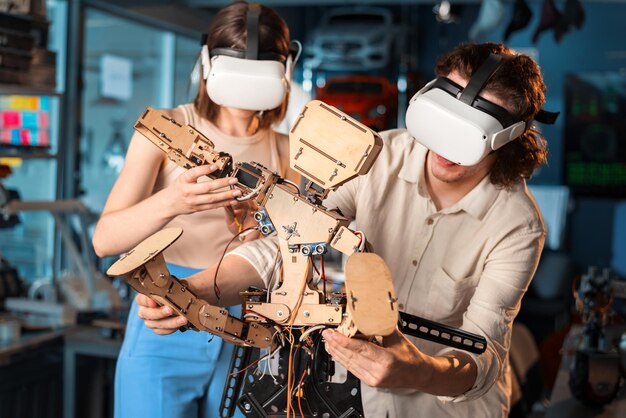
<point>372,100</point>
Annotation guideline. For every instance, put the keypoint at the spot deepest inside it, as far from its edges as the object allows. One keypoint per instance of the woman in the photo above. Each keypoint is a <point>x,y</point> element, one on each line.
<point>181,375</point>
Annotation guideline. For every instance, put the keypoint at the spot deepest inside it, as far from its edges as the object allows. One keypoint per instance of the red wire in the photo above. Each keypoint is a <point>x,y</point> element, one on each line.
<point>216,289</point>
<point>299,390</point>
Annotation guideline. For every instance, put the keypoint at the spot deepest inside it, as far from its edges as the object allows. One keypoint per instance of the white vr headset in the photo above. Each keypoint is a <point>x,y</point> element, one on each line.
<point>460,125</point>
<point>248,79</point>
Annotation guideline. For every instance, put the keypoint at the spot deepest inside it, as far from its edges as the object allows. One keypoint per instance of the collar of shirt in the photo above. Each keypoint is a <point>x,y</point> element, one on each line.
<point>476,203</point>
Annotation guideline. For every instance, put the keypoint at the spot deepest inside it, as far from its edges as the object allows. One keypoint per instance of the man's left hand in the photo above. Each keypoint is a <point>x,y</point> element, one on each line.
<point>397,364</point>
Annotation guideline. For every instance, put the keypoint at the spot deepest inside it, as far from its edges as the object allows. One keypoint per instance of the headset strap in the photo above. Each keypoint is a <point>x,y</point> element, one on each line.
<point>480,78</point>
<point>252,33</point>
<point>546,117</point>
<point>240,53</point>
<point>501,114</point>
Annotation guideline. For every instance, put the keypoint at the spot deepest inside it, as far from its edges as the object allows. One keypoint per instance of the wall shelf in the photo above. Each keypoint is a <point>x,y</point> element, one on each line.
<point>24,90</point>
<point>28,155</point>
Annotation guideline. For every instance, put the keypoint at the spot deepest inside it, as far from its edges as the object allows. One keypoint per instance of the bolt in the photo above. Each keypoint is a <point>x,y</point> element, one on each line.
<point>336,309</point>
<point>247,407</point>
<point>331,320</point>
<point>250,306</point>
<point>307,314</point>
<point>218,329</point>
<point>279,314</point>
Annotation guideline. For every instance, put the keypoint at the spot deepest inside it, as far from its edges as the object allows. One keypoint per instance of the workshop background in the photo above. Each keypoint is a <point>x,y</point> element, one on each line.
<point>75,75</point>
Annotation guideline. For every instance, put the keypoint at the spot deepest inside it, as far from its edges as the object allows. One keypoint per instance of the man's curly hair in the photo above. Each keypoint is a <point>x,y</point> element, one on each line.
<point>519,84</point>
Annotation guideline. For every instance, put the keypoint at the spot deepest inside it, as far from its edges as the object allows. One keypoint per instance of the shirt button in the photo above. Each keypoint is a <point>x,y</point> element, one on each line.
<point>414,262</point>
<point>430,221</point>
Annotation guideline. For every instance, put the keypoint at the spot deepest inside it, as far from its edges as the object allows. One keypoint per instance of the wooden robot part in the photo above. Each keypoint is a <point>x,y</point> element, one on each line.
<point>145,270</point>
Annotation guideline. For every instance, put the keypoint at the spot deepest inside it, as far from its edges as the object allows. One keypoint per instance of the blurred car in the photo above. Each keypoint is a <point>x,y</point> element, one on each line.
<point>370,99</point>
<point>351,38</point>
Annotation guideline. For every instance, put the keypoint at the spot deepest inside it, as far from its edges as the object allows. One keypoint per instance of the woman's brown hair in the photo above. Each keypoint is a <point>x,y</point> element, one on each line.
<point>229,30</point>
<point>519,84</point>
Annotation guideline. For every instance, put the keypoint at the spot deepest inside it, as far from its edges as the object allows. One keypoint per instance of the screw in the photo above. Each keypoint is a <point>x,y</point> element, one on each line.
<point>307,314</point>
<point>279,313</point>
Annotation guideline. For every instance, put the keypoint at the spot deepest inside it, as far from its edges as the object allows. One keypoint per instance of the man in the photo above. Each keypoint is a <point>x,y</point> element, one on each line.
<point>462,241</point>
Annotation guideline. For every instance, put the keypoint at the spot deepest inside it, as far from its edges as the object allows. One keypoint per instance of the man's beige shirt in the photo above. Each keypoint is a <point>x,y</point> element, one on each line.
<point>466,266</point>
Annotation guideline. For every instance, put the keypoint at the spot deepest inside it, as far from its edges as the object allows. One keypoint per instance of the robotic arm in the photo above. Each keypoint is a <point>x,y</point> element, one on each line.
<point>329,148</point>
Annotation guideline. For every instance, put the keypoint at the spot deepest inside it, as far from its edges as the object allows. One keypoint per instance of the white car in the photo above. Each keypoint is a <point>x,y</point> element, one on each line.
<point>351,38</point>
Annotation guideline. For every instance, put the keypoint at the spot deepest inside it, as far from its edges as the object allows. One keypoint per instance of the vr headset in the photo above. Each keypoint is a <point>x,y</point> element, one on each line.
<point>460,125</point>
<point>248,79</point>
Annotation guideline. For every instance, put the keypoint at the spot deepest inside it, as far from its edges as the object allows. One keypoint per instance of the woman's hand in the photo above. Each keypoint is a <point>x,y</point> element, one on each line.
<point>160,319</point>
<point>187,194</point>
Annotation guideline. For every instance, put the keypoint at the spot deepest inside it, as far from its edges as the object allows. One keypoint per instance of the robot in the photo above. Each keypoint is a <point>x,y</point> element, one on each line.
<point>329,148</point>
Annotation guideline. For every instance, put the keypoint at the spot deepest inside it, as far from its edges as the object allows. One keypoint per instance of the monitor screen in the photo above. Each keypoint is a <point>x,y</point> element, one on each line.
<point>595,134</point>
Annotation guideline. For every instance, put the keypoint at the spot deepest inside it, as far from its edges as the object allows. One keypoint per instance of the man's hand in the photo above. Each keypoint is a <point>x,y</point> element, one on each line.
<point>239,217</point>
<point>398,364</point>
<point>160,319</point>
